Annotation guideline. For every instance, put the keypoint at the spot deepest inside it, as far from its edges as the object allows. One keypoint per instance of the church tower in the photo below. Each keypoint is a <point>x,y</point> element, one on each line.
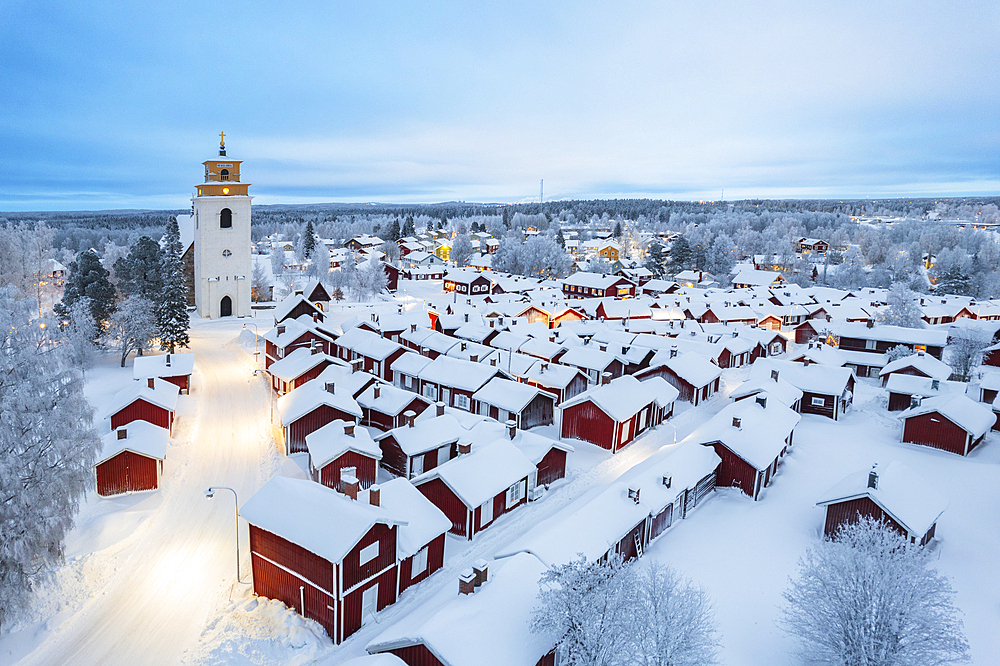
<point>222,261</point>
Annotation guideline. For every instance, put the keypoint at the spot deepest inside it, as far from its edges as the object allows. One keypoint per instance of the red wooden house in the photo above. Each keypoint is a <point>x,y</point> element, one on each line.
<point>299,367</point>
<point>173,368</point>
<point>375,352</point>
<point>953,423</point>
<point>414,448</point>
<point>131,459</point>
<point>383,405</point>
<point>340,446</point>
<point>294,306</point>
<point>595,285</point>
<point>420,544</point>
<point>292,334</point>
<point>895,495</point>
<point>695,378</point>
<point>501,399</point>
<point>478,487</point>
<point>562,380</point>
<point>331,558</point>
<point>919,364</point>
<point>612,415</point>
<point>310,407</point>
<point>153,400</point>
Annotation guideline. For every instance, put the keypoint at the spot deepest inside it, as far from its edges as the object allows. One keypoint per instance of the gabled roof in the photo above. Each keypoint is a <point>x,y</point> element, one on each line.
<point>693,368</point>
<point>163,394</point>
<point>302,400</point>
<point>761,435</point>
<point>289,303</point>
<point>486,472</point>
<point>812,378</point>
<point>914,336</point>
<point>299,362</point>
<point>457,373</point>
<point>902,493</point>
<point>143,438</point>
<point>313,516</point>
<point>925,363</point>
<point>410,363</point>
<point>368,344</point>
<point>509,395</point>
<point>391,400</point>
<point>424,521</point>
<point>332,441</point>
<point>621,398</point>
<point>973,417</point>
<point>588,358</point>
<point>425,435</point>
<point>922,386</point>
<point>145,367</point>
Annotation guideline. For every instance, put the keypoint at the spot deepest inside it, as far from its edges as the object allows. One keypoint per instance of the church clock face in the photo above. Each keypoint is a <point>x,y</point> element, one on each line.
<point>227,253</point>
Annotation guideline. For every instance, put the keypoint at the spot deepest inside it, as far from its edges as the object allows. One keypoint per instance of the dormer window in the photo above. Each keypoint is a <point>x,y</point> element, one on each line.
<point>226,219</point>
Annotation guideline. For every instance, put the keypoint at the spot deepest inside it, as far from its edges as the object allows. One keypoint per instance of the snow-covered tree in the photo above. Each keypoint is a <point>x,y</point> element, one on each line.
<point>965,351</point>
<point>132,327</point>
<point>88,279</point>
<point>308,241</point>
<point>902,308</point>
<point>391,251</point>
<point>259,282</point>
<point>408,228</point>
<point>618,230</point>
<point>368,280</point>
<point>277,260</point>
<point>78,334</point>
<point>392,233</point>
<point>655,259</point>
<point>674,623</point>
<point>139,273</point>
<point>461,250</point>
<point>680,255</point>
<point>48,446</point>
<point>871,598</point>
<point>898,352</point>
<point>170,308</point>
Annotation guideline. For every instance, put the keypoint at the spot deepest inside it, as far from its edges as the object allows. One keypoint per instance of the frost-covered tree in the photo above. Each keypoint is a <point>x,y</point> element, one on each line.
<point>277,261</point>
<point>259,282</point>
<point>680,255</point>
<point>965,351</point>
<point>618,230</point>
<point>954,281</point>
<point>132,327</point>
<point>48,446</point>
<point>391,251</point>
<point>368,281</point>
<point>308,241</point>
<point>871,598</point>
<point>902,308</point>
<point>408,228</point>
<point>655,259</point>
<point>392,233</point>
<point>461,250</point>
<point>88,279</point>
<point>140,271</point>
<point>898,352</point>
<point>170,307</point>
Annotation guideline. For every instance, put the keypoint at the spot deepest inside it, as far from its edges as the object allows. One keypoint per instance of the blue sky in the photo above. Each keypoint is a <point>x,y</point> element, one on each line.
<point>115,105</point>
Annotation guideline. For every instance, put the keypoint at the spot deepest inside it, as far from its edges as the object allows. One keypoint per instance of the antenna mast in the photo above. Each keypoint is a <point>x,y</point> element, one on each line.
<point>541,191</point>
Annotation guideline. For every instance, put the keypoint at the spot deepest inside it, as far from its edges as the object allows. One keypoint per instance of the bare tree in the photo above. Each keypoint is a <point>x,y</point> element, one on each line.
<point>132,326</point>
<point>674,622</point>
<point>870,598</point>
<point>965,352</point>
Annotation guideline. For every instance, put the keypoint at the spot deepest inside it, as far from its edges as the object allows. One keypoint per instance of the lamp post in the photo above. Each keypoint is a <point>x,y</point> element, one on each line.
<point>209,494</point>
<point>256,335</point>
<point>270,395</point>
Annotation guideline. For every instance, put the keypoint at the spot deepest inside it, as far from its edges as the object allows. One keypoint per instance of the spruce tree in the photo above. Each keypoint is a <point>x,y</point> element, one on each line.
<point>618,229</point>
<point>139,272</point>
<point>654,259</point>
<point>172,318</point>
<point>408,228</point>
<point>88,279</point>
<point>392,234</point>
<point>309,241</point>
<point>561,239</point>
<point>680,254</point>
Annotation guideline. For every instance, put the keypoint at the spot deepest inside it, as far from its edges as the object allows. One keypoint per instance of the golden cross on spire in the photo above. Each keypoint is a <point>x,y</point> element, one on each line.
<point>222,138</point>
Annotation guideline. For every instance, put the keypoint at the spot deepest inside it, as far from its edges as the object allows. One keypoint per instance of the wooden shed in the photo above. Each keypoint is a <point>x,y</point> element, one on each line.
<point>341,446</point>
<point>502,400</point>
<point>310,407</point>
<point>612,415</point>
<point>131,459</point>
<point>953,423</point>
<point>153,401</point>
<point>173,368</point>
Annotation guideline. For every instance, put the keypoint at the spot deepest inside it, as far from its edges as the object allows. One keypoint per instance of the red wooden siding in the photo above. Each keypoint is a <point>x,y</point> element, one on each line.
<point>827,409</point>
<point>552,467</point>
<point>140,410</point>
<point>849,512</point>
<point>309,375</point>
<point>416,655</point>
<point>586,421</point>
<point>183,382</point>
<point>311,422</point>
<point>275,583</point>
<point>329,475</point>
<point>127,472</point>
<point>626,547</point>
<point>441,496</point>
<point>299,310</point>
<point>734,471</point>
<point>661,522</point>
<point>393,458</point>
<point>293,557</point>
<point>435,560</point>
<point>935,430</point>
<point>351,606</point>
<point>354,571</point>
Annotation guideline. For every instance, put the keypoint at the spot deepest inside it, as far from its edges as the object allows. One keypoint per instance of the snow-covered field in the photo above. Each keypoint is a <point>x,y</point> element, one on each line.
<point>150,578</point>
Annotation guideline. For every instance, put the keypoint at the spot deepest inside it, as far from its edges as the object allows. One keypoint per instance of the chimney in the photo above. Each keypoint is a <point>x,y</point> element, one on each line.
<point>774,375</point>
<point>168,360</point>
<point>737,423</point>
<point>349,429</point>
<point>919,353</point>
<point>149,382</point>
<point>281,330</point>
<point>511,428</point>
<point>408,416</point>
<point>603,348</point>
<point>605,378</point>
<point>463,346</point>
<point>673,352</point>
<point>467,582</point>
<point>736,334</point>
<point>474,358</point>
<point>935,384</point>
<point>413,328</point>
<point>123,433</point>
<point>374,496</point>
<point>667,480</point>
<point>762,401</point>
<point>315,317</point>
<point>349,484</point>
<point>914,401</point>
<point>315,349</point>
<point>440,408</point>
<point>466,317</point>
<point>633,493</point>
<point>464,447</point>
<point>493,361</point>
<point>873,478</point>
<point>543,367</point>
<point>481,570</point>
<point>870,323</point>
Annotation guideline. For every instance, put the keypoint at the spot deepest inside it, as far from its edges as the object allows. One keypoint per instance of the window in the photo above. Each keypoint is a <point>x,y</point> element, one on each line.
<point>486,512</point>
<point>462,401</point>
<point>226,219</point>
<point>417,465</point>
<point>419,563</point>
<point>368,553</point>
<point>514,494</point>
<point>818,402</point>
<point>224,174</point>
<point>869,344</point>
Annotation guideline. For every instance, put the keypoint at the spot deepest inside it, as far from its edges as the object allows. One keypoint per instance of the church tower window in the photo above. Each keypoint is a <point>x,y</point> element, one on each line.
<point>226,219</point>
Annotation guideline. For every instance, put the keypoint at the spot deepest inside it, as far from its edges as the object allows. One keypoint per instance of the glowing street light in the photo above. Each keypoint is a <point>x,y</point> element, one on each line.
<point>256,334</point>
<point>209,494</point>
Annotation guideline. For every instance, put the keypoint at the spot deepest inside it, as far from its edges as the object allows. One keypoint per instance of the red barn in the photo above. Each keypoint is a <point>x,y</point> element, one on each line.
<point>952,423</point>
<point>131,459</point>
<point>895,495</point>
<point>613,414</point>
<point>476,488</point>
<point>341,446</point>
<point>173,368</point>
<point>154,401</point>
<point>310,407</point>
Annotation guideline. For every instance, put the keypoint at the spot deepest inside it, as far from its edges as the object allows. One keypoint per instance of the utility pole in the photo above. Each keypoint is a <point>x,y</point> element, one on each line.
<point>541,191</point>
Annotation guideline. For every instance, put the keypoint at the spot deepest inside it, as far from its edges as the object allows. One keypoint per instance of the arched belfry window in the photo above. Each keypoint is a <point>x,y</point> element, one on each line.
<point>226,219</point>
<point>224,174</point>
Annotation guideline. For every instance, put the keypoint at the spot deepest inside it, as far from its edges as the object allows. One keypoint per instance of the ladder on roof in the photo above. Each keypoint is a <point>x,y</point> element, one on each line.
<point>638,546</point>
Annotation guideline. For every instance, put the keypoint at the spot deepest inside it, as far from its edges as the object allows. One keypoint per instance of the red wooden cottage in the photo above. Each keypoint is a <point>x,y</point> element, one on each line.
<point>153,400</point>
<point>546,454</point>
<point>594,285</point>
<point>826,390</point>
<point>895,495</point>
<point>341,446</point>
<point>503,400</point>
<point>478,487</point>
<point>331,558</point>
<point>695,377</point>
<point>420,543</point>
<point>173,368</point>
<point>375,353</point>
<point>294,306</point>
<point>750,436</point>
<point>562,380</point>
<point>310,407</point>
<point>952,423</point>
<point>383,405</point>
<point>301,366</point>
<point>414,448</point>
<point>920,364</point>
<point>593,360</point>
<point>131,459</point>
<point>292,334</point>
<point>903,388</point>
<point>612,415</point>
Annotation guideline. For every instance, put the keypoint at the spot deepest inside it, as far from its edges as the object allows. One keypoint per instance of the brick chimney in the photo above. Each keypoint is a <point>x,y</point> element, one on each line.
<point>605,378</point>
<point>349,484</point>
<point>873,478</point>
<point>464,447</point>
<point>375,495</point>
<point>349,429</point>
<point>329,387</point>
<point>480,568</point>
<point>467,582</point>
<point>378,391</point>
<point>123,433</point>
<point>774,375</point>
<point>408,416</point>
<point>762,401</point>
<point>737,423</point>
<point>511,428</point>
<point>150,382</point>
<point>439,406</point>
<point>281,330</point>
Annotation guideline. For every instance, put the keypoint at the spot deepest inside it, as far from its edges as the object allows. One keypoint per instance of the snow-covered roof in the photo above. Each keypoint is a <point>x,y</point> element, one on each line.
<point>427,434</point>
<point>685,465</point>
<point>621,398</point>
<point>884,332</point>
<point>163,394</point>
<point>424,521</point>
<point>812,378</point>
<point>588,358</point>
<point>145,367</point>
<point>482,474</point>
<point>331,441</point>
<point>491,627</point>
<point>550,375</point>
<point>922,386</point>
<point>902,493</point>
<point>142,437</point>
<point>593,280</point>
<point>289,303</point>
<point>973,417</point>
<point>302,400</point>
<point>778,389</point>
<point>756,278</point>
<point>368,344</point>
<point>693,368</point>
<point>925,363</point>
<point>664,393</point>
<point>410,363</point>
<point>299,362</point>
<point>312,516</point>
<point>391,399</point>
<point>509,395</point>
<point>760,436</point>
<point>458,373</point>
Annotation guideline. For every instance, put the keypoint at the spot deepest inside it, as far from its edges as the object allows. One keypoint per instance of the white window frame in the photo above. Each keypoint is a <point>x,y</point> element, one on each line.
<point>869,344</point>
<point>818,402</point>
<point>368,553</point>
<point>416,465</point>
<point>418,564</point>
<point>462,401</point>
<point>515,493</point>
<point>483,508</point>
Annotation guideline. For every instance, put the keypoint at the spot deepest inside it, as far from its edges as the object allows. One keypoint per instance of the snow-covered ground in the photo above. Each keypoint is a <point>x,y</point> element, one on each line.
<point>151,579</point>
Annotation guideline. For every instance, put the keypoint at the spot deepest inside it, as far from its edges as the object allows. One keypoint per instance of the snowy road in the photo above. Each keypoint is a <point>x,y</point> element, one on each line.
<point>165,580</point>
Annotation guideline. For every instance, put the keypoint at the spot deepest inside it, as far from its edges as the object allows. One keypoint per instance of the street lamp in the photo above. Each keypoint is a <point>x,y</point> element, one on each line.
<point>256,334</point>
<point>209,494</point>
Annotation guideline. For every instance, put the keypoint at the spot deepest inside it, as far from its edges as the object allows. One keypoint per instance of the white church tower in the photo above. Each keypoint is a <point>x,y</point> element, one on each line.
<point>222,261</point>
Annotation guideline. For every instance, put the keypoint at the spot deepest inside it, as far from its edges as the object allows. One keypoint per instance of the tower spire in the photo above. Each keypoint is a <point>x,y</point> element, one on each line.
<point>222,144</point>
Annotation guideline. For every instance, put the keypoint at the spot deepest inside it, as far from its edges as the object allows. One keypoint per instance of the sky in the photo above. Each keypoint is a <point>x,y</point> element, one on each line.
<point>113,105</point>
